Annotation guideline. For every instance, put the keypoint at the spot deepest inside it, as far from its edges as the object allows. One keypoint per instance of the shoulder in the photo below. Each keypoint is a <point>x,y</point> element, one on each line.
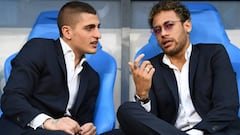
<point>37,49</point>
<point>39,43</point>
<point>38,46</point>
<point>215,54</point>
<point>208,47</point>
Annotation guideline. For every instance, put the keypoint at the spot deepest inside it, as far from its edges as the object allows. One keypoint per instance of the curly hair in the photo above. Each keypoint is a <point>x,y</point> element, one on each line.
<point>166,5</point>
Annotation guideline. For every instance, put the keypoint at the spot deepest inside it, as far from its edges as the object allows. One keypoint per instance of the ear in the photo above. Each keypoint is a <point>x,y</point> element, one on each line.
<point>67,32</point>
<point>188,25</point>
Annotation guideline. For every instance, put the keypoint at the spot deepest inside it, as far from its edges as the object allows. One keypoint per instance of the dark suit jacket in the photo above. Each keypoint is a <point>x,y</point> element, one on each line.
<point>213,88</point>
<point>38,84</point>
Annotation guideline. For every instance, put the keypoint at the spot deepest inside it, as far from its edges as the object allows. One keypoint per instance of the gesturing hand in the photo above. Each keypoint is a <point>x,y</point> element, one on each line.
<point>142,76</point>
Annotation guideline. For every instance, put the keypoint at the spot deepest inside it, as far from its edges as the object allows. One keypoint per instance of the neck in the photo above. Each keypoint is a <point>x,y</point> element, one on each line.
<point>179,59</point>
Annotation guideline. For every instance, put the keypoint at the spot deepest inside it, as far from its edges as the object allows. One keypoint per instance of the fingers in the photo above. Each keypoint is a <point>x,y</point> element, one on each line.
<point>142,75</point>
<point>65,124</point>
<point>134,66</point>
<point>70,125</point>
<point>144,68</point>
<point>88,129</point>
<point>137,60</point>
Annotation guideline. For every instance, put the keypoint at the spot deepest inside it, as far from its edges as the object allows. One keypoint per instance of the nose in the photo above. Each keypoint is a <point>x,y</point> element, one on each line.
<point>164,32</point>
<point>98,33</point>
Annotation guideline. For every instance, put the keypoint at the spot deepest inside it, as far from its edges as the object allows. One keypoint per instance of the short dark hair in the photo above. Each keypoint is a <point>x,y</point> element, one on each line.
<point>67,14</point>
<point>166,5</point>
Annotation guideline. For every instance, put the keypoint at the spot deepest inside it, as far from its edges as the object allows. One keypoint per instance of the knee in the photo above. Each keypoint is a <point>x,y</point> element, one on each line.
<point>122,109</point>
<point>127,109</point>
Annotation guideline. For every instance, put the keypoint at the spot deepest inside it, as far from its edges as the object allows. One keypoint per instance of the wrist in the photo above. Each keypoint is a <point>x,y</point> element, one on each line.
<point>142,95</point>
<point>142,100</point>
<point>43,126</point>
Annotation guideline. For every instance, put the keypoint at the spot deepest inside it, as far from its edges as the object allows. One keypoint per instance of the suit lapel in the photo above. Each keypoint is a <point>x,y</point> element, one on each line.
<point>171,82</point>
<point>61,58</point>
<point>169,76</point>
<point>83,78</point>
<point>81,90</point>
<point>193,66</point>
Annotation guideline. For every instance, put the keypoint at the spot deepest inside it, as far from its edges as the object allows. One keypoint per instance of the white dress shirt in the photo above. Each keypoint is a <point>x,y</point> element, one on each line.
<point>73,76</point>
<point>187,115</point>
<point>73,79</point>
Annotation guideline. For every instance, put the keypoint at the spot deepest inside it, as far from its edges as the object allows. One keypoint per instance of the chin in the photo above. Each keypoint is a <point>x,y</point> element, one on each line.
<point>92,52</point>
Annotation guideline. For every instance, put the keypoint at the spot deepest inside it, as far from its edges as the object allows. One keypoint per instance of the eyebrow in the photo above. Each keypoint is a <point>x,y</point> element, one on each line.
<point>92,26</point>
<point>168,22</point>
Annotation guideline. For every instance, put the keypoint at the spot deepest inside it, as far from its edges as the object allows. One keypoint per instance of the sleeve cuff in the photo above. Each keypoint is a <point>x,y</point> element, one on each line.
<point>195,132</point>
<point>38,121</point>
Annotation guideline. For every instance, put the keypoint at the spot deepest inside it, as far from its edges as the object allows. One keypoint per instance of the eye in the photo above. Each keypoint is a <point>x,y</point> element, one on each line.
<point>157,29</point>
<point>168,25</point>
<point>89,27</point>
<point>99,26</point>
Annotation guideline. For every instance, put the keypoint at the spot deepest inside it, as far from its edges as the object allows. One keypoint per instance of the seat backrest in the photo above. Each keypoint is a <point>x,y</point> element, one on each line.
<point>207,28</point>
<point>45,26</point>
<point>102,62</point>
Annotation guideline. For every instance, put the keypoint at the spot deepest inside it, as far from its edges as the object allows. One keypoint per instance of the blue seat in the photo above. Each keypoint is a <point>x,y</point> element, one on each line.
<point>207,28</point>
<point>102,62</point>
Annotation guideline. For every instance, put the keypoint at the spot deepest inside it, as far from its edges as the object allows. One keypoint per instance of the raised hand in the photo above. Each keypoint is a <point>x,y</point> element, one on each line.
<point>142,76</point>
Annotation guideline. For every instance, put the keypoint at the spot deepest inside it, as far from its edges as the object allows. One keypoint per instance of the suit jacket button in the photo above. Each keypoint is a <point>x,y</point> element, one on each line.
<point>18,119</point>
<point>214,128</point>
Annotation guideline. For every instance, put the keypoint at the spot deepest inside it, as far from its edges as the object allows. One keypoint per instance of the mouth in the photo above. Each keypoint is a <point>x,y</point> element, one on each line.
<point>94,44</point>
<point>167,43</point>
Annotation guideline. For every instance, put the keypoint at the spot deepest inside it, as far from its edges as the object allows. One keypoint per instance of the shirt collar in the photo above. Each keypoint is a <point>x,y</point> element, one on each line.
<point>188,52</point>
<point>66,49</point>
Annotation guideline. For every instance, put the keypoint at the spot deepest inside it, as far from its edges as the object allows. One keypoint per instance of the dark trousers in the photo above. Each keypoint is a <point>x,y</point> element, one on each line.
<point>135,120</point>
<point>44,132</point>
<point>114,132</point>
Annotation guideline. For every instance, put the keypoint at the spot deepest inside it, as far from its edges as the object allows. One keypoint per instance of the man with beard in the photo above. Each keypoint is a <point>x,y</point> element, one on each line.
<point>186,90</point>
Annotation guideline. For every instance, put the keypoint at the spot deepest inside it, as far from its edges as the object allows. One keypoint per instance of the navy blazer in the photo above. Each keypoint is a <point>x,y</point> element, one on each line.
<point>212,83</point>
<point>38,84</point>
